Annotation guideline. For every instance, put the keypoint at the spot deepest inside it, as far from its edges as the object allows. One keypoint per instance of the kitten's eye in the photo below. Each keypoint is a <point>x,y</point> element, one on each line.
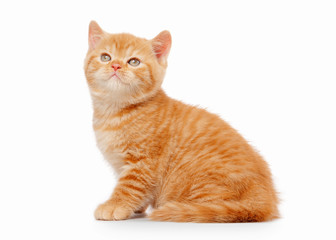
<point>105,57</point>
<point>134,62</point>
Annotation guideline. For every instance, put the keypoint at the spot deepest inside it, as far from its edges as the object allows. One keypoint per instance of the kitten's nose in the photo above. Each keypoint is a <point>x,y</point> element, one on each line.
<point>116,66</point>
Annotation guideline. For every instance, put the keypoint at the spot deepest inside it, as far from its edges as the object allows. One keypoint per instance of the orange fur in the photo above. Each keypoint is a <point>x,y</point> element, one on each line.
<point>185,162</point>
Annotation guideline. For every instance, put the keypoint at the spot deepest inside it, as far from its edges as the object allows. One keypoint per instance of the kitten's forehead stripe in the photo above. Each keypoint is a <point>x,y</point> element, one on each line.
<point>127,45</point>
<point>129,51</point>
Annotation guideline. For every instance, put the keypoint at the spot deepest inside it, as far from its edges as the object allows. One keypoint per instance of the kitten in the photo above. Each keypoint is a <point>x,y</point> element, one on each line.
<point>185,162</point>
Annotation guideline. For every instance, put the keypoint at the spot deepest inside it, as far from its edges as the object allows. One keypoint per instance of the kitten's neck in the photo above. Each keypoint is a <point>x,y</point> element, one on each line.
<point>108,107</point>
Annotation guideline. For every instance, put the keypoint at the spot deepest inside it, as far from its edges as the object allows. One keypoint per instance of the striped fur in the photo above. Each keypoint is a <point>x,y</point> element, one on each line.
<point>185,162</point>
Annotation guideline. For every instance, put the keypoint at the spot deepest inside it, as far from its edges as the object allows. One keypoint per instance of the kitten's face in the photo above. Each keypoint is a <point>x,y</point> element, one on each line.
<point>125,68</point>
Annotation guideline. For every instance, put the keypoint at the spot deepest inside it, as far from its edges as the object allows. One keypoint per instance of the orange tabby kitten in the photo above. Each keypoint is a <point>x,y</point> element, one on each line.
<point>185,162</point>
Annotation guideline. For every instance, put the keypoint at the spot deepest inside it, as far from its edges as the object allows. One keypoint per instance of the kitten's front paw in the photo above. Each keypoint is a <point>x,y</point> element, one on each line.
<point>110,212</point>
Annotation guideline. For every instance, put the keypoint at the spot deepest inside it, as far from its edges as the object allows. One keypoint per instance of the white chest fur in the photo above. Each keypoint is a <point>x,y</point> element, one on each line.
<point>110,144</point>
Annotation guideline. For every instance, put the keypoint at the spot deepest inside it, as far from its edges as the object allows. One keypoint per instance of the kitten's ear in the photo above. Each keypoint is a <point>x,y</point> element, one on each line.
<point>95,34</point>
<point>161,45</point>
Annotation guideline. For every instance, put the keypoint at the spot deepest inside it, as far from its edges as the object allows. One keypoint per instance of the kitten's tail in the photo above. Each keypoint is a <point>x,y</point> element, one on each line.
<point>228,211</point>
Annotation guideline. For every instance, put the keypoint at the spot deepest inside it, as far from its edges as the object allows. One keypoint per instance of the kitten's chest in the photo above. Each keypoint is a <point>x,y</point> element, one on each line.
<point>116,136</point>
<point>112,144</point>
<point>110,141</point>
<point>110,135</point>
<point>119,135</point>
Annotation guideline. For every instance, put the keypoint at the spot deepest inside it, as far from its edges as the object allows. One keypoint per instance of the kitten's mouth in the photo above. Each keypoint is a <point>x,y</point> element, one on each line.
<point>114,76</point>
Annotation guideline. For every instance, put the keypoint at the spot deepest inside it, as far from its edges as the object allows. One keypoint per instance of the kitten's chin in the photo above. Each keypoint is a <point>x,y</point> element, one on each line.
<point>111,95</point>
<point>114,90</point>
<point>120,91</point>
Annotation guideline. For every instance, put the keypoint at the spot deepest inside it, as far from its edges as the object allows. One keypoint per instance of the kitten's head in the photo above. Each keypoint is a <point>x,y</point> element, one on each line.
<point>124,68</point>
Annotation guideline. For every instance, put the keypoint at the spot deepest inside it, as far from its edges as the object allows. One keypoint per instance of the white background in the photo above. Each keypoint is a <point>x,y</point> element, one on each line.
<point>267,67</point>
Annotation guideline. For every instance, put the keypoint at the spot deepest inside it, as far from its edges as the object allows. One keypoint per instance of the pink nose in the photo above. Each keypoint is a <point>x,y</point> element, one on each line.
<point>116,66</point>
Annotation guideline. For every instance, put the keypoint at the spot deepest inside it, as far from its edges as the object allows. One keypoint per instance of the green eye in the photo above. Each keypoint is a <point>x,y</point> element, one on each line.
<point>105,57</point>
<point>134,62</point>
